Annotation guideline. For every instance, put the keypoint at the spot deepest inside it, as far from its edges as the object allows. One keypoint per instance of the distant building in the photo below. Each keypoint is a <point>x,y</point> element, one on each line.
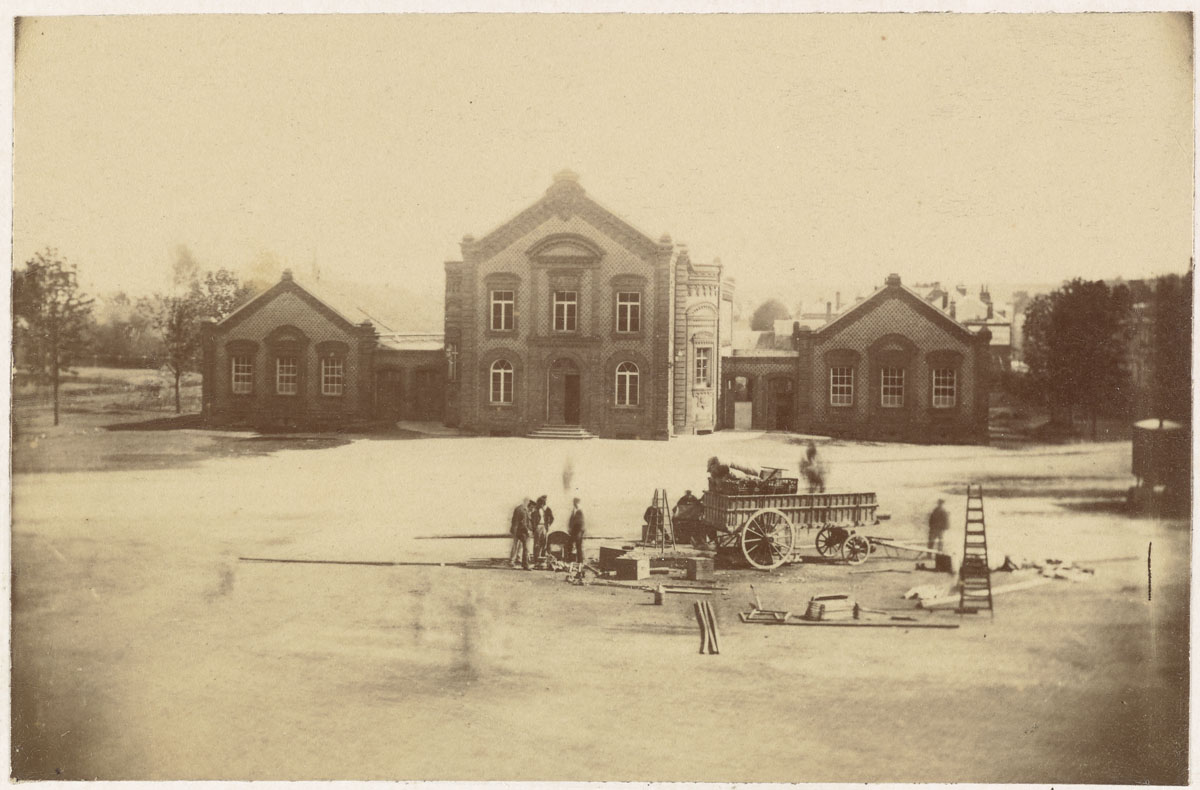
<point>892,367</point>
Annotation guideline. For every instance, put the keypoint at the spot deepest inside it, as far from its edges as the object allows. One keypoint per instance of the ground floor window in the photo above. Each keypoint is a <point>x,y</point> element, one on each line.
<point>332,376</point>
<point>242,375</point>
<point>502,382</point>
<point>945,388</point>
<point>841,386</point>
<point>892,389</point>
<point>627,384</point>
<point>287,376</point>
<point>703,372</point>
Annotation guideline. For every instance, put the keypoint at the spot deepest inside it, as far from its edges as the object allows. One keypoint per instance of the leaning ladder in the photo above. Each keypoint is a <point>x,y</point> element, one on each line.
<point>976,574</point>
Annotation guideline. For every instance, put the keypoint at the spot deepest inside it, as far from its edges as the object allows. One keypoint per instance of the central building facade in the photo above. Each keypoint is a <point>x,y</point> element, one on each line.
<point>567,319</point>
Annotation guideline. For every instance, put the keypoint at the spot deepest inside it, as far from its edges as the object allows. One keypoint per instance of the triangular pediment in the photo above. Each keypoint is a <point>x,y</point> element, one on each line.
<point>564,199</point>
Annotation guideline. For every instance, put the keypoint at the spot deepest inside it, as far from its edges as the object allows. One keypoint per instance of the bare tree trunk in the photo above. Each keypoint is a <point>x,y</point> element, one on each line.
<point>178,406</point>
<point>54,372</point>
<point>54,387</point>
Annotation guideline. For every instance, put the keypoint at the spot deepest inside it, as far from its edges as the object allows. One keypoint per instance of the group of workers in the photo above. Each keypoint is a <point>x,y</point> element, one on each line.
<point>530,529</point>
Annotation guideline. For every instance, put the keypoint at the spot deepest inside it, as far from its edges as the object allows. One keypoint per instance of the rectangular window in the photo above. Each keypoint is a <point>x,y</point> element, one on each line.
<point>286,376</point>
<point>945,388</point>
<point>629,311</point>
<point>703,376</point>
<point>332,376</point>
<point>503,303</point>
<point>242,375</point>
<point>891,393</point>
<point>841,386</point>
<point>566,306</point>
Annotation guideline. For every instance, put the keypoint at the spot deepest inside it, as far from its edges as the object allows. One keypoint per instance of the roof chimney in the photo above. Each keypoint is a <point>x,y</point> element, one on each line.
<point>952,310</point>
<point>893,280</point>
<point>945,299</point>
<point>837,304</point>
<point>286,276</point>
<point>828,311</point>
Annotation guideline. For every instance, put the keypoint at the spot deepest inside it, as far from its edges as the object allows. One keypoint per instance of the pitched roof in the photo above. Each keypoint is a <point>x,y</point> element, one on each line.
<point>893,289</point>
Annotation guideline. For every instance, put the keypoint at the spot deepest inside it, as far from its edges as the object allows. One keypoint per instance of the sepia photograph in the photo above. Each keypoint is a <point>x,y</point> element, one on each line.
<point>521,397</point>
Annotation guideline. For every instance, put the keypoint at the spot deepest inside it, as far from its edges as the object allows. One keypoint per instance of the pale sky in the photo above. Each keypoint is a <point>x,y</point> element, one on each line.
<point>810,152</point>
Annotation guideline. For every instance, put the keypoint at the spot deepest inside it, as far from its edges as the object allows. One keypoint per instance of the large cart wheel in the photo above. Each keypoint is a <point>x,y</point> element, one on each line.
<point>767,539</point>
<point>855,549</point>
<point>829,541</point>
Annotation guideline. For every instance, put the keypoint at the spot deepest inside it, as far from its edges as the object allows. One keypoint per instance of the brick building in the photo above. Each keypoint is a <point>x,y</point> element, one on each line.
<point>567,320</point>
<point>291,359</point>
<point>892,367</point>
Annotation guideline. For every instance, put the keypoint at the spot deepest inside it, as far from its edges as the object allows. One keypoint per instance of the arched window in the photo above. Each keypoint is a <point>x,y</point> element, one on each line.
<point>502,382</point>
<point>627,384</point>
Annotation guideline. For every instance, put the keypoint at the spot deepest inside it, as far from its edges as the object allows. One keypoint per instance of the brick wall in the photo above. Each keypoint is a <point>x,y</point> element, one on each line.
<point>923,338</point>
<point>263,406</point>
<point>532,347</point>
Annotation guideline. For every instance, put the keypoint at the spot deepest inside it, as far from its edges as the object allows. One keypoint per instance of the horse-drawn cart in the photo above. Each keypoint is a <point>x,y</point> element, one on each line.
<point>760,525</point>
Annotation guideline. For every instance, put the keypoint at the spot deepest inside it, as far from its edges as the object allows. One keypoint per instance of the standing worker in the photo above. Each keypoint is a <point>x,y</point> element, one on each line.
<point>522,545</point>
<point>540,527</point>
<point>939,524</point>
<point>576,531</point>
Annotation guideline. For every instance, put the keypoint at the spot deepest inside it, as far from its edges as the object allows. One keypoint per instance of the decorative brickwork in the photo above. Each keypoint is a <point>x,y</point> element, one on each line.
<point>894,334</point>
<point>564,371</point>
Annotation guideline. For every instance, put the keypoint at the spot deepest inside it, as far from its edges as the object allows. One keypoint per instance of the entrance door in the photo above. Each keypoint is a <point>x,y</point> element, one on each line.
<point>389,394</point>
<point>781,403</point>
<point>427,394</point>
<point>563,393</point>
<point>571,398</point>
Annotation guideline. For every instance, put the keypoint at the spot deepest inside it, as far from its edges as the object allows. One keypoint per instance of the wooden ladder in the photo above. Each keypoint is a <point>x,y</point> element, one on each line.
<point>666,530</point>
<point>976,575</point>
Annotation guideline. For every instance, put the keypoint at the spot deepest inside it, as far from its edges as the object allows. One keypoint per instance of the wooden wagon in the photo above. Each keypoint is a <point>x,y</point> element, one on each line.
<point>761,527</point>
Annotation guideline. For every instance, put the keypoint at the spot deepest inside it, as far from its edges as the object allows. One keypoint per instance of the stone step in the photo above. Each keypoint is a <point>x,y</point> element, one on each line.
<point>561,432</point>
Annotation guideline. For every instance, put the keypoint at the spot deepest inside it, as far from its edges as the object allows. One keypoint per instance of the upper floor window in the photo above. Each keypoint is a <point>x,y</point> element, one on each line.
<point>503,306</point>
<point>287,376</point>
<point>703,371</point>
<point>891,392</point>
<point>333,376</point>
<point>566,309</point>
<point>501,382</point>
<point>627,384</point>
<point>945,388</point>
<point>629,311</point>
<point>242,375</point>
<point>841,386</point>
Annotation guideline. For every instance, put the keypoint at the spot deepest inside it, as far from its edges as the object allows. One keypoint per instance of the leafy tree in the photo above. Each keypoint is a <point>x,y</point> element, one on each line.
<point>1172,347</point>
<point>50,317</point>
<point>177,316</point>
<point>1075,344</point>
<point>766,314</point>
<point>175,319</point>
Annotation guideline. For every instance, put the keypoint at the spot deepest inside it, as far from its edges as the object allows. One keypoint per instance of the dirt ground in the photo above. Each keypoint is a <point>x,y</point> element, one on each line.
<point>143,648</point>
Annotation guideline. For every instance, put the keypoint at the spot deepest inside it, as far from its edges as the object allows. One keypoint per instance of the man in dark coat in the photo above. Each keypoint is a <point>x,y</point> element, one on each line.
<point>939,524</point>
<point>522,535</point>
<point>537,520</point>
<point>576,530</point>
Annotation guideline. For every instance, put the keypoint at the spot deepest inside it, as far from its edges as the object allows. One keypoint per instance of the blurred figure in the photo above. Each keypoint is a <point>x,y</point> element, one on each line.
<point>939,524</point>
<point>576,530</point>
<point>812,469</point>
<point>522,545</point>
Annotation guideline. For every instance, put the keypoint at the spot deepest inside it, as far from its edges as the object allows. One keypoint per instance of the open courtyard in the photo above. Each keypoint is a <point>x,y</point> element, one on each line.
<point>143,648</point>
